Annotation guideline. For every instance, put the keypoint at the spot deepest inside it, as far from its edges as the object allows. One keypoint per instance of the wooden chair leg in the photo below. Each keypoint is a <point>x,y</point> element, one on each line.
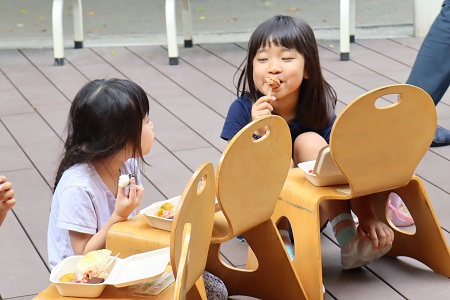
<point>305,223</point>
<point>274,278</point>
<point>197,292</point>
<point>427,244</point>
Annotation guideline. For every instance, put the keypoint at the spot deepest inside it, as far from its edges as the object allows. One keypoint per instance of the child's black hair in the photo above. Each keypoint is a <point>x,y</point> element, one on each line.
<point>105,117</point>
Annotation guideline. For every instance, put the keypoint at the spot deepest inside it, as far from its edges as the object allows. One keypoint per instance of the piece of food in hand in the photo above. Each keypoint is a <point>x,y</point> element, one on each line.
<point>273,82</point>
<point>167,211</point>
<point>124,180</point>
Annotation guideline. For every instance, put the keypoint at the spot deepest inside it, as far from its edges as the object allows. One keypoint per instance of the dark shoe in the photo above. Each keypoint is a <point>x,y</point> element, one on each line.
<point>441,138</point>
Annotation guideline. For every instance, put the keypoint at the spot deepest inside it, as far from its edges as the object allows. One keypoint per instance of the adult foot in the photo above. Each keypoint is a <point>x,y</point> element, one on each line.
<point>441,137</point>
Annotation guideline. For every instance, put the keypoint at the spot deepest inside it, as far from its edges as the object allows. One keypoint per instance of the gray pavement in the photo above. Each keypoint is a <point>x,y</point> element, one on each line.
<point>27,23</point>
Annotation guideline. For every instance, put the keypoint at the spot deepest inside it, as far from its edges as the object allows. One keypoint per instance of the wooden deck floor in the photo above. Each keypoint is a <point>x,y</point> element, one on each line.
<point>188,105</point>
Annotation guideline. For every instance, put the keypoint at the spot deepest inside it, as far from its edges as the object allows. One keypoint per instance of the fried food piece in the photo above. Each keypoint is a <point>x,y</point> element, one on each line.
<point>272,81</point>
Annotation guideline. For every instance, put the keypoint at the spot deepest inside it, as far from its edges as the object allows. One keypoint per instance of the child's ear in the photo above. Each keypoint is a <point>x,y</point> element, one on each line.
<point>305,74</point>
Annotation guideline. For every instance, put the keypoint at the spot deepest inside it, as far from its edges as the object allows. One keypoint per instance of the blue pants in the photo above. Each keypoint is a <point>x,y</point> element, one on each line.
<point>431,70</point>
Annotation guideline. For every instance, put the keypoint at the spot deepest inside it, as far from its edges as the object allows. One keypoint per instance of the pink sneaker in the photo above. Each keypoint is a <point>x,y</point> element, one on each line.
<point>398,212</point>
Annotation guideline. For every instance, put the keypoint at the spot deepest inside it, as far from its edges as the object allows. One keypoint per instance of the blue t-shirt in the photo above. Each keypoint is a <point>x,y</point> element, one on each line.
<point>240,114</point>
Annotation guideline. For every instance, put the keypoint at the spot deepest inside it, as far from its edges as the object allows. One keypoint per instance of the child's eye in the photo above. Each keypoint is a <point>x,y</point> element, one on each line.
<point>262,59</point>
<point>287,58</point>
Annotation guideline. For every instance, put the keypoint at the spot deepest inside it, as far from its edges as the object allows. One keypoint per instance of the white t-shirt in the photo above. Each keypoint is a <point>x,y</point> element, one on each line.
<point>83,203</point>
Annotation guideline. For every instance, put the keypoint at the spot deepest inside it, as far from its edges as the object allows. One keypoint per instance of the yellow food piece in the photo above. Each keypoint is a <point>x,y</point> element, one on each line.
<point>68,277</point>
<point>164,207</point>
<point>96,258</point>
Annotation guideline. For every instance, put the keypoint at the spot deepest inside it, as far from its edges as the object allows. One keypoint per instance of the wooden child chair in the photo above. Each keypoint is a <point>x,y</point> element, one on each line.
<point>378,150</point>
<point>249,179</point>
<point>196,207</point>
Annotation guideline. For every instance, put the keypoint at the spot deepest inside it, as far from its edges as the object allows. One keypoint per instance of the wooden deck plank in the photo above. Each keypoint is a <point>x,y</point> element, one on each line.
<point>12,157</point>
<point>33,209</point>
<point>391,49</point>
<point>358,74</point>
<point>20,263</point>
<point>212,65</point>
<point>24,237</point>
<point>67,80</point>
<point>12,102</point>
<point>90,64</point>
<point>41,145</point>
<point>204,88</point>
<point>170,95</point>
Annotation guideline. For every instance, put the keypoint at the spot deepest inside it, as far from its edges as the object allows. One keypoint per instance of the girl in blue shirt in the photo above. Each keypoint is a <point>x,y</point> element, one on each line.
<point>285,48</point>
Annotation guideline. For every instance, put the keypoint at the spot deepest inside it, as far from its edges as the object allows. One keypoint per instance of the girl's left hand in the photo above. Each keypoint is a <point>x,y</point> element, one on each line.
<point>125,205</point>
<point>376,231</point>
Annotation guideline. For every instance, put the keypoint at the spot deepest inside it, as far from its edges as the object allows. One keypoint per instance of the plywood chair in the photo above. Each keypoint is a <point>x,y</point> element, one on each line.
<point>378,150</point>
<point>189,242</point>
<point>196,207</point>
<point>171,28</point>
<point>249,179</point>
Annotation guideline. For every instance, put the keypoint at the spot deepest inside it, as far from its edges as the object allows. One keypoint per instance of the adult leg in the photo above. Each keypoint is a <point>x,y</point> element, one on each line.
<point>431,70</point>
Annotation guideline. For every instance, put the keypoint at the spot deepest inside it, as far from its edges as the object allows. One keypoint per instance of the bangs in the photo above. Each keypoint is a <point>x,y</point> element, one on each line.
<point>281,33</point>
<point>280,38</point>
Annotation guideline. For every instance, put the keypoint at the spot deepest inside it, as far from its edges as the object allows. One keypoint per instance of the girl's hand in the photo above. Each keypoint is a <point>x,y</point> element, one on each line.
<point>125,205</point>
<point>7,200</point>
<point>376,231</point>
<point>262,107</point>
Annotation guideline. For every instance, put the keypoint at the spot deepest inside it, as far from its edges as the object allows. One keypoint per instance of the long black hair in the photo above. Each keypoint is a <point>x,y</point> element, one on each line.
<point>105,117</point>
<point>317,99</point>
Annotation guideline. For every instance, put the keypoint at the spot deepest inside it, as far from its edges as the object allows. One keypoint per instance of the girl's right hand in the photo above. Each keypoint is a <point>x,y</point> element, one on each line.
<point>262,107</point>
<point>7,200</point>
<point>125,205</point>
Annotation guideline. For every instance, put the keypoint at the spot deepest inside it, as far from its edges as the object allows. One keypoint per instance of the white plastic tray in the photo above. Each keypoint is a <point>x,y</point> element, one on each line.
<point>162,223</point>
<point>308,168</point>
<point>122,272</point>
<point>158,222</point>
